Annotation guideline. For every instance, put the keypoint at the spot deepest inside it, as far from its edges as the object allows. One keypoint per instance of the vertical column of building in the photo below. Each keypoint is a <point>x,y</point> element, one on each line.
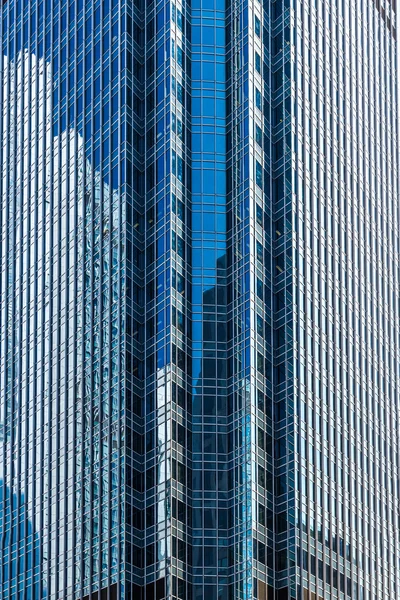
<point>7,301</point>
<point>65,214</point>
<point>251,236</point>
<point>138,82</point>
<point>250,285</point>
<point>307,475</point>
<point>109,139</point>
<point>14,342</point>
<point>158,275</point>
<point>181,298</point>
<point>278,88</point>
<point>95,44</point>
<point>261,291</point>
<point>313,209</point>
<point>159,348</point>
<point>210,504</point>
<point>249,292</point>
<point>88,407</point>
<point>62,176</point>
<point>32,222</point>
<point>347,311</point>
<point>239,332</point>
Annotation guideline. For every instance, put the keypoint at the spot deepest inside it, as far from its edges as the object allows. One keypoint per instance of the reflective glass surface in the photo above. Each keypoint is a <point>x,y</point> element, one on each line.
<point>199,300</point>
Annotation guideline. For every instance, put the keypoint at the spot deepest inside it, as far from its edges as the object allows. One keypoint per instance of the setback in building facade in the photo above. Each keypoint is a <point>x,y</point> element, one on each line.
<point>199,328</point>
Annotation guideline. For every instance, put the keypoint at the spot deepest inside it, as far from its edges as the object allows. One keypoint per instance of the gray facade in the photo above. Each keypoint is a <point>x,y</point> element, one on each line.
<point>346,300</point>
<point>199,326</point>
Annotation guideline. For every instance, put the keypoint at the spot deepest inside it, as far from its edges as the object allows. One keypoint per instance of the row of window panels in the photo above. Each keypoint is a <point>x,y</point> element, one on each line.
<point>338,545</point>
<point>155,215</point>
<point>349,414</point>
<point>145,405</point>
<point>223,295</point>
<point>56,37</point>
<point>142,108</point>
<point>31,590</point>
<point>74,12</point>
<point>212,369</point>
<point>156,23</point>
<point>345,410</point>
<point>374,473</point>
<point>142,519</point>
<point>144,143</point>
<point>144,259</point>
<point>216,557</point>
<point>279,485</point>
<point>235,400</point>
<point>155,173</point>
<point>183,590</point>
<point>142,444</point>
<point>202,479</point>
<point>155,251</point>
<point>279,186</point>
<point>369,499</point>
<point>140,145</point>
<point>333,577</point>
<point>139,334</point>
<point>207,442</point>
<point>143,369</point>
<point>141,295</point>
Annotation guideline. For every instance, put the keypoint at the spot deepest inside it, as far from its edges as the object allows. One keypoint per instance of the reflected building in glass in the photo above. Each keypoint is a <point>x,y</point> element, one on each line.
<point>199,326</point>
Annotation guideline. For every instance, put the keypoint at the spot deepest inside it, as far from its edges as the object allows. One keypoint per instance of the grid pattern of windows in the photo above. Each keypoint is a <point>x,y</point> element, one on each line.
<point>346,240</point>
<point>61,252</point>
<point>199,300</point>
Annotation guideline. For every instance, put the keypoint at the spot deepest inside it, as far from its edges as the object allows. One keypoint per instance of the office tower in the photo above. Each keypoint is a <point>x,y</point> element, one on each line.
<point>199,300</point>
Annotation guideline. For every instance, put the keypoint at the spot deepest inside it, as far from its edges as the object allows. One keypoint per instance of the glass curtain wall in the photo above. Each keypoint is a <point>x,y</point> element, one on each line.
<point>199,309</point>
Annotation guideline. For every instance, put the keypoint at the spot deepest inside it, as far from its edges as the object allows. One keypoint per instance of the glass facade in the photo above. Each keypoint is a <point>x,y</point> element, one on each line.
<point>62,278</point>
<point>199,326</point>
<point>345,302</point>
